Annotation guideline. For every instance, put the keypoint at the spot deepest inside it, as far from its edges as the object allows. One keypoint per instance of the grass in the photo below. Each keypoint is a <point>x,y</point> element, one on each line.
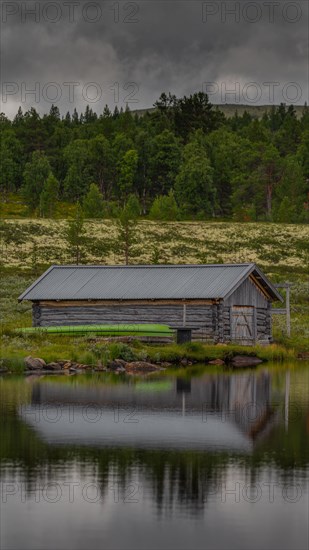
<point>205,352</point>
<point>14,207</point>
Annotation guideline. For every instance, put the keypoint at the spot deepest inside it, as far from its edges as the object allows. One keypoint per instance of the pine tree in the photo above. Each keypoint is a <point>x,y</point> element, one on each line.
<point>75,236</point>
<point>93,205</point>
<point>194,189</point>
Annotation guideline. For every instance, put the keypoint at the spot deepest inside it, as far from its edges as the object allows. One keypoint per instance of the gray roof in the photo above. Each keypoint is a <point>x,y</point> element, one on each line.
<point>142,282</point>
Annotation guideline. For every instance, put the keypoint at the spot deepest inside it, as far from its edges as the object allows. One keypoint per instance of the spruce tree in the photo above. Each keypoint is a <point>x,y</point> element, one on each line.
<point>49,197</point>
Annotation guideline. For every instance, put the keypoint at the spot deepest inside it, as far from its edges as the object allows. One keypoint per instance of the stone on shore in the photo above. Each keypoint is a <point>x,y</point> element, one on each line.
<point>34,363</point>
<point>216,362</point>
<point>141,367</point>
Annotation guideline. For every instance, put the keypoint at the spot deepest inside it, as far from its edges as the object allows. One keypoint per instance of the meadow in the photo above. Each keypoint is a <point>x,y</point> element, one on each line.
<point>281,250</point>
<point>276,248</point>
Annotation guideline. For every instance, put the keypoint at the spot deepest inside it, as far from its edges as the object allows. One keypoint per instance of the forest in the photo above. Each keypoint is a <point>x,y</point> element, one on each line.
<point>185,160</point>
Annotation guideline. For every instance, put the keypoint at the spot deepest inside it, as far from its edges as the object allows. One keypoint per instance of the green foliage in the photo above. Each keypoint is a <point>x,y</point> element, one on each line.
<point>93,204</point>
<point>126,239</point>
<point>78,177</point>
<point>194,188</point>
<point>127,172</point>
<point>188,114</point>
<point>49,197</point>
<point>239,167</point>
<point>164,208</point>
<point>133,207</point>
<point>75,236</point>
<point>35,177</point>
<point>10,162</point>
<point>121,351</point>
<point>285,213</point>
<point>164,159</point>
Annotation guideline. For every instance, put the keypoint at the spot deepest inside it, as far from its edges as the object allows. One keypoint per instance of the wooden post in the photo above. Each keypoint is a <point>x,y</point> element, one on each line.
<point>184,314</point>
<point>287,309</point>
<point>288,312</point>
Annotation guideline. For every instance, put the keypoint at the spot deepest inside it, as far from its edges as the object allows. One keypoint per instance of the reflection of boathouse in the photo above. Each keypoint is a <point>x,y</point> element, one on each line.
<point>213,412</point>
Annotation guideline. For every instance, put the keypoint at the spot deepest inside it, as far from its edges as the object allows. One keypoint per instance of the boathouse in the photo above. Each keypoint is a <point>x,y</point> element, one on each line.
<point>221,302</point>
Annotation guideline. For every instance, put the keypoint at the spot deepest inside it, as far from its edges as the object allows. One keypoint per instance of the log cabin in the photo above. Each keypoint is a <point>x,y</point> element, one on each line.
<point>222,303</point>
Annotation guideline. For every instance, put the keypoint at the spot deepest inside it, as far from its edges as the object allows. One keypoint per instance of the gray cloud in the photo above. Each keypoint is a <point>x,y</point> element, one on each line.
<point>173,45</point>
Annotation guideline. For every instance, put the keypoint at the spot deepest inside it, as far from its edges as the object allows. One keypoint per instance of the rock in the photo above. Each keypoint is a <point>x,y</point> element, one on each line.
<point>136,367</point>
<point>166,364</point>
<point>184,362</point>
<point>216,362</point>
<point>3,370</point>
<point>243,361</point>
<point>67,365</point>
<point>121,368</point>
<point>118,365</point>
<point>113,365</point>
<point>52,366</point>
<point>34,363</point>
<point>121,362</point>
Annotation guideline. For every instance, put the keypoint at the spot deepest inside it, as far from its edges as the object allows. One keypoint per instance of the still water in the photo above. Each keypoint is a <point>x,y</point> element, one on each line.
<point>204,461</point>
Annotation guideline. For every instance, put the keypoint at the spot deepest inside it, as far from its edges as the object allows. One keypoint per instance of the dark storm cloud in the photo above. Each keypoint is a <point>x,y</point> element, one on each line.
<point>133,51</point>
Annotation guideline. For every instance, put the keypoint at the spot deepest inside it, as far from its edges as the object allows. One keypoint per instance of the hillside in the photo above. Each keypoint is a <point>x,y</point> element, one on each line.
<point>230,109</point>
<point>275,247</point>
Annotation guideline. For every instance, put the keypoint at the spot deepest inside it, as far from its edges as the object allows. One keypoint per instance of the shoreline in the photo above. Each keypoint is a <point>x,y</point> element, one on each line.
<point>141,358</point>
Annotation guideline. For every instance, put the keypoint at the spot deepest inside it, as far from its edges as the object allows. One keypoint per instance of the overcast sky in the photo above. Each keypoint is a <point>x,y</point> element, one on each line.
<point>73,53</point>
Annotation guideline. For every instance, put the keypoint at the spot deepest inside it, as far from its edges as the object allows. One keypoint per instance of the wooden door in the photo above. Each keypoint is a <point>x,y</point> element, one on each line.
<point>243,325</point>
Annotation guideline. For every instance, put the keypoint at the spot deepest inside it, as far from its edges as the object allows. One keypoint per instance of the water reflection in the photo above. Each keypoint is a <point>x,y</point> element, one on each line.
<point>205,452</point>
<point>227,412</point>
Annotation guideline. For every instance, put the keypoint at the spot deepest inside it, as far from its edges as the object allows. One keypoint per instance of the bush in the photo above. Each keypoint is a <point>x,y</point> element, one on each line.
<point>164,208</point>
<point>122,351</point>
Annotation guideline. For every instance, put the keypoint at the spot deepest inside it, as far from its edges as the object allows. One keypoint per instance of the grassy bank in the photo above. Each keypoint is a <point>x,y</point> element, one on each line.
<point>99,353</point>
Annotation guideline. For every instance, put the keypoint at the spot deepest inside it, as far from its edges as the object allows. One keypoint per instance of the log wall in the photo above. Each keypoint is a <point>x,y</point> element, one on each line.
<point>212,319</point>
<point>203,316</point>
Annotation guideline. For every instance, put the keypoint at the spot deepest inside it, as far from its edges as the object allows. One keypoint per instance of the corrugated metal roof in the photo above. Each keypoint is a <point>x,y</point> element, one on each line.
<point>139,282</point>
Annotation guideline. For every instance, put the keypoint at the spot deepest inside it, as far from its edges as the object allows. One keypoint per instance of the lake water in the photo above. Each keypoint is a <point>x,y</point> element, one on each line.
<point>203,461</point>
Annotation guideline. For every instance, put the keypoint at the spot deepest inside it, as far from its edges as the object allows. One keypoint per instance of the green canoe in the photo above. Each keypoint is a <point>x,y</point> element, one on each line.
<point>106,330</point>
